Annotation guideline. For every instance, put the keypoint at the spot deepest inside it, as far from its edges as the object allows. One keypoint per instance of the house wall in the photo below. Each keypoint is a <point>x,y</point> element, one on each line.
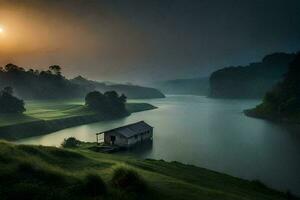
<point>120,140</point>
<point>140,138</point>
<point>127,142</point>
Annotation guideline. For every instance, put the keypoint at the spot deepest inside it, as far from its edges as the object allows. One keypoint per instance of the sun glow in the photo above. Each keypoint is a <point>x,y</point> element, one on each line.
<point>1,30</point>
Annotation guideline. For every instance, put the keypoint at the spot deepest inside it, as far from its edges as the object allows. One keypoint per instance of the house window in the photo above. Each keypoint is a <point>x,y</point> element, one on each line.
<point>135,137</point>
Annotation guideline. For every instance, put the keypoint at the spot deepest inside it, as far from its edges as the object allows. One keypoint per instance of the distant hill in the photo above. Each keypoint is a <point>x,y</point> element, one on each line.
<point>251,81</point>
<point>193,86</point>
<point>131,91</point>
<point>282,103</point>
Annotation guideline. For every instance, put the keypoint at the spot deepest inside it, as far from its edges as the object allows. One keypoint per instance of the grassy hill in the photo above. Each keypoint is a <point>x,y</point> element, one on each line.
<point>37,172</point>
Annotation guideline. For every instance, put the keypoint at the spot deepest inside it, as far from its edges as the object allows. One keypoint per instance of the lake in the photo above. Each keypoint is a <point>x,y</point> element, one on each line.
<point>211,133</point>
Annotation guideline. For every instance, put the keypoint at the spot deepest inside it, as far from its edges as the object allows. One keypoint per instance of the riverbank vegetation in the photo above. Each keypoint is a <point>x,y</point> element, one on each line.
<point>283,101</point>
<point>30,172</point>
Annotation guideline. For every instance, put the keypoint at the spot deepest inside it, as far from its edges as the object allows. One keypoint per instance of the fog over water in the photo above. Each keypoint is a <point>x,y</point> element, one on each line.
<point>211,133</point>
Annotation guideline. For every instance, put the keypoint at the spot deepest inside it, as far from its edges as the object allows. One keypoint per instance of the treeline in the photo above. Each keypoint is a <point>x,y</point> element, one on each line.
<point>251,81</point>
<point>35,84</point>
<point>51,84</point>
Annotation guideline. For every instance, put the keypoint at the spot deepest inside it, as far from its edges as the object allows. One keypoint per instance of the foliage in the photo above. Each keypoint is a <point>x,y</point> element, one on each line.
<point>70,142</point>
<point>35,84</point>
<point>251,81</point>
<point>10,103</point>
<point>128,180</point>
<point>109,102</point>
<point>284,99</point>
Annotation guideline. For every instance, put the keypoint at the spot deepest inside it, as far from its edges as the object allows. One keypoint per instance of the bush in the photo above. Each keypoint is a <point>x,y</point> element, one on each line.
<point>70,142</point>
<point>10,103</point>
<point>128,180</point>
<point>93,185</point>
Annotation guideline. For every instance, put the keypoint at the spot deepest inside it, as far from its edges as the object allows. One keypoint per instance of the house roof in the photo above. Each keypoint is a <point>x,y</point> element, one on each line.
<point>131,130</point>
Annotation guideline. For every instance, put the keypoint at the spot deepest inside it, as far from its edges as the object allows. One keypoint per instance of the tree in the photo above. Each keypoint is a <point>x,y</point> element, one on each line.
<point>9,103</point>
<point>284,99</point>
<point>70,142</point>
<point>109,102</point>
<point>96,100</point>
<point>56,69</point>
<point>12,68</point>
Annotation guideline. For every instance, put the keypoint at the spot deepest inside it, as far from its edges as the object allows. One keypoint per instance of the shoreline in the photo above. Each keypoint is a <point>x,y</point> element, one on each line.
<point>285,121</point>
<point>42,127</point>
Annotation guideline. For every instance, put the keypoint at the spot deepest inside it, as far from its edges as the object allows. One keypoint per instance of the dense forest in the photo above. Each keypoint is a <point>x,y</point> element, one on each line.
<point>251,81</point>
<point>193,86</point>
<point>51,84</point>
<point>35,84</point>
<point>283,101</point>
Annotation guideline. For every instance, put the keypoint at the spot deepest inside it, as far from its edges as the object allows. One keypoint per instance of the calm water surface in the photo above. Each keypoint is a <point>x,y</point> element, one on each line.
<point>211,133</point>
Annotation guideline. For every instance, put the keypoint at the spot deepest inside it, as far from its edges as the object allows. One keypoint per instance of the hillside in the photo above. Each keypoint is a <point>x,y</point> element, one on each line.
<point>251,81</point>
<point>37,172</point>
<point>282,103</point>
<point>131,91</point>
<point>193,86</point>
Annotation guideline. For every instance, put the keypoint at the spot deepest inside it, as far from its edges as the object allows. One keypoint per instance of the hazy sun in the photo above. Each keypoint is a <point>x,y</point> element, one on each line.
<point>1,30</point>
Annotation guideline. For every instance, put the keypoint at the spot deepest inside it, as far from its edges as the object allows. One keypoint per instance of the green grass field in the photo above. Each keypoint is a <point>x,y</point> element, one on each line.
<point>52,173</point>
<point>54,109</point>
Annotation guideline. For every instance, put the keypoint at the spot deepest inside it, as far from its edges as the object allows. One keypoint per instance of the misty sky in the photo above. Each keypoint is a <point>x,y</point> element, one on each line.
<point>142,41</point>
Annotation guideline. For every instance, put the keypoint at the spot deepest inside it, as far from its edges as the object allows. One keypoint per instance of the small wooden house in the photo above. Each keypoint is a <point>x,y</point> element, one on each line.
<point>129,135</point>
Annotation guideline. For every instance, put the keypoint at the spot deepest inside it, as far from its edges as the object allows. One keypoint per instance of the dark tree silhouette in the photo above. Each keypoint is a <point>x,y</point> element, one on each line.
<point>283,101</point>
<point>56,69</point>
<point>109,102</point>
<point>34,84</point>
<point>95,100</point>
<point>9,103</point>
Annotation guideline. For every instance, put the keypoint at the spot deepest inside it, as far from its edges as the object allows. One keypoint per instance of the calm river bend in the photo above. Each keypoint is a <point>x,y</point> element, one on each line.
<point>211,133</point>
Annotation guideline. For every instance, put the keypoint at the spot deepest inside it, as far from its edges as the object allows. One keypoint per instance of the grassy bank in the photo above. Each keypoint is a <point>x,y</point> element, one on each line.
<point>33,171</point>
<point>42,117</point>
